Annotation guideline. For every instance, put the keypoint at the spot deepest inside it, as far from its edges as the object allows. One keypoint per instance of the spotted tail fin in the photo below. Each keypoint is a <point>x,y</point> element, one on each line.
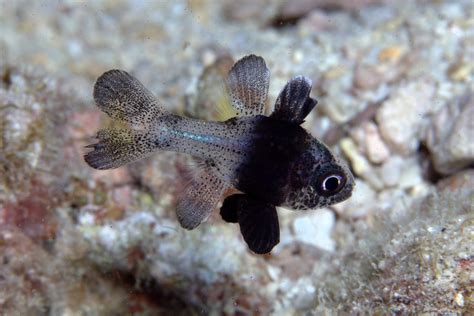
<point>124,98</point>
<point>117,147</point>
<point>134,110</point>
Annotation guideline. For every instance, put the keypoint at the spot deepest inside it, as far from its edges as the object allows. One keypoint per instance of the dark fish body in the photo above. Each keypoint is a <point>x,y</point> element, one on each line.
<point>272,160</point>
<point>274,147</point>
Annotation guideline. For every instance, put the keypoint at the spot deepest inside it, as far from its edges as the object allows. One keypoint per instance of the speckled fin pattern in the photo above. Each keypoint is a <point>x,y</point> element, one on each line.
<point>117,147</point>
<point>294,104</point>
<point>248,82</point>
<point>124,98</point>
<point>199,199</point>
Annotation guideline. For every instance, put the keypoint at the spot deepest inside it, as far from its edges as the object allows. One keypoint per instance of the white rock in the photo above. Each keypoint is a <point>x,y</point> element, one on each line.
<point>376,150</point>
<point>315,229</point>
<point>362,200</point>
<point>358,162</point>
<point>411,174</point>
<point>450,137</point>
<point>401,117</point>
<point>391,170</point>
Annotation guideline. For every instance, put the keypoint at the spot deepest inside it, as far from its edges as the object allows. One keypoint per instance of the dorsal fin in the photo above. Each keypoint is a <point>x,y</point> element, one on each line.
<point>294,104</point>
<point>248,82</point>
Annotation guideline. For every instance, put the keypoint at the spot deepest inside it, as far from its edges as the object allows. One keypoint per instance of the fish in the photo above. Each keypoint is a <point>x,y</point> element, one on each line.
<point>269,160</point>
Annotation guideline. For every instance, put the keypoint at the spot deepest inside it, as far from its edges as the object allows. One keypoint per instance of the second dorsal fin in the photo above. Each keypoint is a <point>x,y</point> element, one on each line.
<point>248,82</point>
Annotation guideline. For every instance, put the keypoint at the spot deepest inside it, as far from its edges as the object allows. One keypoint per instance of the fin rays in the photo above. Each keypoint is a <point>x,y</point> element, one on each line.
<point>124,98</point>
<point>248,83</point>
<point>294,104</point>
<point>117,147</point>
<point>199,199</point>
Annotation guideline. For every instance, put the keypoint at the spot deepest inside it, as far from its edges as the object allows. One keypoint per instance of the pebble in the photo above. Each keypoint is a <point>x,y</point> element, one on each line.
<point>391,170</point>
<point>449,138</point>
<point>400,118</point>
<point>358,162</point>
<point>362,201</point>
<point>367,77</point>
<point>376,150</point>
<point>411,174</point>
<point>391,53</point>
<point>315,229</point>
<point>460,71</point>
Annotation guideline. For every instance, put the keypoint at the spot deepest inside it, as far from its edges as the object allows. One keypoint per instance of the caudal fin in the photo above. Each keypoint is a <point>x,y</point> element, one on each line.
<point>117,147</point>
<point>125,100</point>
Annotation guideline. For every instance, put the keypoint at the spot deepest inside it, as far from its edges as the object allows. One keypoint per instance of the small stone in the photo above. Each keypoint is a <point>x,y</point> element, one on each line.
<point>460,71</point>
<point>367,77</point>
<point>316,21</point>
<point>459,299</point>
<point>359,204</point>
<point>400,118</point>
<point>391,53</point>
<point>315,229</point>
<point>376,149</point>
<point>411,174</point>
<point>358,162</point>
<point>340,108</point>
<point>461,183</point>
<point>335,72</point>
<point>391,170</point>
<point>298,56</point>
<point>449,138</point>
<point>291,9</point>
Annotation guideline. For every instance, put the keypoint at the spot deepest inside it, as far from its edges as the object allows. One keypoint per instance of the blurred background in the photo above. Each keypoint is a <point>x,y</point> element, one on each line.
<point>394,81</point>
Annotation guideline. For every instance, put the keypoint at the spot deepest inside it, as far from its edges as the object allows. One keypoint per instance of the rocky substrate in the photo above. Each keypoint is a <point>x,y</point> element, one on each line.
<point>394,81</point>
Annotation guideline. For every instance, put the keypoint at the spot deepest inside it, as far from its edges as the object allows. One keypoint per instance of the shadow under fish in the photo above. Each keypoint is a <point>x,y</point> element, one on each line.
<point>272,160</point>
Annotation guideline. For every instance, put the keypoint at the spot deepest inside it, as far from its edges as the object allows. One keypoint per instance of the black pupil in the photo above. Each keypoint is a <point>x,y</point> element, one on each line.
<point>331,183</point>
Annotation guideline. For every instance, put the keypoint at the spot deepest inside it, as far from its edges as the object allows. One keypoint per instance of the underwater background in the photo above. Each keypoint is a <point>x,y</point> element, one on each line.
<point>394,82</point>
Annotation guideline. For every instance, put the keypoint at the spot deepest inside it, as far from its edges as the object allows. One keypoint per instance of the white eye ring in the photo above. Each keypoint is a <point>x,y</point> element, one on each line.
<point>329,187</point>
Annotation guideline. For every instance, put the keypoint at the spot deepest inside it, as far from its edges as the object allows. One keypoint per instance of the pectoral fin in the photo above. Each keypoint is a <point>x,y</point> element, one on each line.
<point>258,221</point>
<point>248,82</point>
<point>294,104</point>
<point>199,199</point>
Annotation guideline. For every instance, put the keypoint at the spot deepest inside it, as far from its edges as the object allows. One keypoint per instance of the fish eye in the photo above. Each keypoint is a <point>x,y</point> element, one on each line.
<point>331,183</point>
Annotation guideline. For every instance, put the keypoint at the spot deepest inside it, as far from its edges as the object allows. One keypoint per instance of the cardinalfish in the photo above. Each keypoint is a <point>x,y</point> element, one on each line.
<point>271,160</point>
